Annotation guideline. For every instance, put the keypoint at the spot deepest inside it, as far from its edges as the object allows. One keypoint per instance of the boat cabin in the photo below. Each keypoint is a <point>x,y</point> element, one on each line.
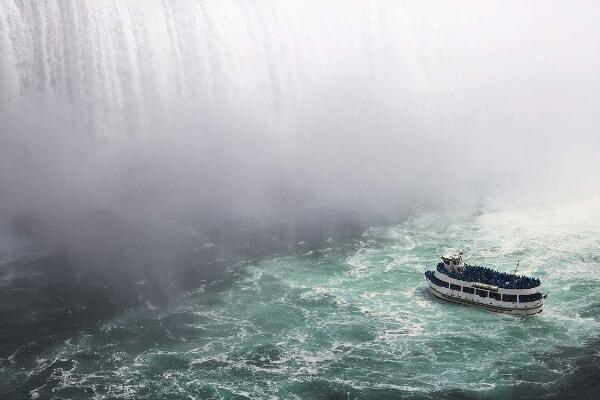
<point>454,262</point>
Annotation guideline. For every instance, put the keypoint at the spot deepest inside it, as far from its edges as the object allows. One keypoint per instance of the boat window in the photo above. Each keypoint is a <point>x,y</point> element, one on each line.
<point>494,295</point>
<point>509,297</point>
<point>468,290</point>
<point>439,282</point>
<point>455,287</point>
<point>481,293</point>
<point>524,298</point>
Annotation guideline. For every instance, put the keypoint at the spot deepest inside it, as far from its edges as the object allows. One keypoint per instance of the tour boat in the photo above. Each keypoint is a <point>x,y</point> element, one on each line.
<point>484,287</point>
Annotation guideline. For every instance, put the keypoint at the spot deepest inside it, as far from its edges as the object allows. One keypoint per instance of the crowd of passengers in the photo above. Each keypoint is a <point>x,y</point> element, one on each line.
<point>475,273</point>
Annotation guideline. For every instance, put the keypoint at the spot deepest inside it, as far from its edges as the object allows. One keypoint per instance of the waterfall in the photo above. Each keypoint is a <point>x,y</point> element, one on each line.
<point>348,99</point>
<point>118,61</point>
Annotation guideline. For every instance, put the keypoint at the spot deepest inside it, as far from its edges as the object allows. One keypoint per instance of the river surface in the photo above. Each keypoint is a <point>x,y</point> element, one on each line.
<point>353,320</point>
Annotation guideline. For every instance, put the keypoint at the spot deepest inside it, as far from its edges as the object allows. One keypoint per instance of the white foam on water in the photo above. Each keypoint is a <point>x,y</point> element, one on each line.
<point>367,323</point>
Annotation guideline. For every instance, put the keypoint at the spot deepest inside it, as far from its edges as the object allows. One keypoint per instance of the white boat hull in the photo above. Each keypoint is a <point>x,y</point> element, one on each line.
<point>489,304</point>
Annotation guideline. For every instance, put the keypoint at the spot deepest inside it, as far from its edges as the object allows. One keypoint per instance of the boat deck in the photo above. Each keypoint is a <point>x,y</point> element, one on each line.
<point>475,273</point>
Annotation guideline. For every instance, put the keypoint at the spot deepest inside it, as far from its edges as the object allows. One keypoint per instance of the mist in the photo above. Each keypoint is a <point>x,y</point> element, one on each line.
<point>135,134</point>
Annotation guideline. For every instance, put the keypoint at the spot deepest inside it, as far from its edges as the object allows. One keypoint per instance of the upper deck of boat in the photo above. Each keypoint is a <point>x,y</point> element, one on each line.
<point>475,273</point>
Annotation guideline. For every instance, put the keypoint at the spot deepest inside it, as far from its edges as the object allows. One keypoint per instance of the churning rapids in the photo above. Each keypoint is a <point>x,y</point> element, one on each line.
<point>351,320</point>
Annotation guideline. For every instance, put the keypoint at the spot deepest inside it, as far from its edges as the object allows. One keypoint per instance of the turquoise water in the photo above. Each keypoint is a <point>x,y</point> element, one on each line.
<point>354,320</point>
